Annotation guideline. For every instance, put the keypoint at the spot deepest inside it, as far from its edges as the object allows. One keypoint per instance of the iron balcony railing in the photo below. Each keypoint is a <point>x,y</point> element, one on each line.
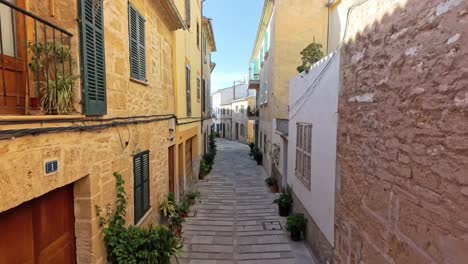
<point>253,76</point>
<point>36,74</point>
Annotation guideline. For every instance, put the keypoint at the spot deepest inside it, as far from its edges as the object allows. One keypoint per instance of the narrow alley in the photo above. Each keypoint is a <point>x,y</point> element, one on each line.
<point>235,220</point>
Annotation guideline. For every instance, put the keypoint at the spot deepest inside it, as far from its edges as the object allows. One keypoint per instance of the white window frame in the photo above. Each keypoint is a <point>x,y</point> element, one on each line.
<point>303,166</point>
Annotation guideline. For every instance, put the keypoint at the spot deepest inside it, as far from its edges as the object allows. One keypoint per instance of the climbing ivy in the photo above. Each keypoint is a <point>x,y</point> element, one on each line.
<point>134,245</point>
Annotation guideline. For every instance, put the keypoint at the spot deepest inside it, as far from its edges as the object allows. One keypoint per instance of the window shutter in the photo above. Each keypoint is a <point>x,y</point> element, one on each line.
<point>146,176</point>
<point>141,187</point>
<point>137,44</point>
<point>93,57</point>
<point>138,187</point>
<point>189,96</point>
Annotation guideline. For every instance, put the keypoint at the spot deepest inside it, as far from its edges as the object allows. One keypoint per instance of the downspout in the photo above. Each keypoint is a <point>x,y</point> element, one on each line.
<point>201,70</point>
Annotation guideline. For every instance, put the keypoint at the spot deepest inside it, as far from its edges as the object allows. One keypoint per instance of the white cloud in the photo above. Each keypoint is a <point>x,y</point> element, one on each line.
<point>221,80</point>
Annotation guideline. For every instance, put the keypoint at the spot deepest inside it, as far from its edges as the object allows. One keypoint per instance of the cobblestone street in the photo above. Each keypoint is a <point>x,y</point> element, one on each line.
<point>235,220</point>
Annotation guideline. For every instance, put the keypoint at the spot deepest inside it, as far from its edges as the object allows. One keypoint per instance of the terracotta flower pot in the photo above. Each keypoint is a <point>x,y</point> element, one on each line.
<point>34,103</point>
<point>274,189</point>
<point>184,215</point>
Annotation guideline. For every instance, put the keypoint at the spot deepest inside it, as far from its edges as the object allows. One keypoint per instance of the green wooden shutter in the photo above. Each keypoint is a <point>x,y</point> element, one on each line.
<point>141,187</point>
<point>93,57</point>
<point>146,176</point>
<point>267,42</point>
<point>136,28</point>
<point>138,187</point>
<point>188,91</point>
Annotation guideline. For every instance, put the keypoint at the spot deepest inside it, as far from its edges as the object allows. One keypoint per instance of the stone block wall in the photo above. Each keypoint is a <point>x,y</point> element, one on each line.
<point>88,159</point>
<point>402,192</point>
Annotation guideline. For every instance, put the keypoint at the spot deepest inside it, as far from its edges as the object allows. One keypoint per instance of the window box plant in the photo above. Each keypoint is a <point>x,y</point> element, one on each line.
<point>296,226</point>
<point>272,183</point>
<point>284,201</point>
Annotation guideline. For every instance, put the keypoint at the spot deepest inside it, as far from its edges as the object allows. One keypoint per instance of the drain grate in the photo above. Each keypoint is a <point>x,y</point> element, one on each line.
<point>272,225</point>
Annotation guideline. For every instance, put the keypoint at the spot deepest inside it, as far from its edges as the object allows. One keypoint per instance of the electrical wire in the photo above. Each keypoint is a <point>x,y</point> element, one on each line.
<point>16,133</point>
<point>311,89</point>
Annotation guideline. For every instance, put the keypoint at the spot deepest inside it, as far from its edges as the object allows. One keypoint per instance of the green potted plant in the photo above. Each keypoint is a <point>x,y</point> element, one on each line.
<point>257,155</point>
<point>191,196</point>
<point>175,223</point>
<point>272,183</point>
<point>183,209</point>
<point>168,207</point>
<point>284,201</point>
<point>296,226</point>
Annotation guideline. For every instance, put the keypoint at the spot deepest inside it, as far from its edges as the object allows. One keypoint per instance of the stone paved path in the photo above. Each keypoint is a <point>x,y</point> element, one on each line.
<point>235,220</point>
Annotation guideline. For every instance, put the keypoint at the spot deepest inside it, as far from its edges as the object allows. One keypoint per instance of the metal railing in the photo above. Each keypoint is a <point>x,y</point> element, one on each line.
<point>36,75</point>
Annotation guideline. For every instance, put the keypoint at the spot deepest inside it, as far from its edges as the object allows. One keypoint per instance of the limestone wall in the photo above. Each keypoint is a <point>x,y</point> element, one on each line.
<point>402,148</point>
<point>88,159</point>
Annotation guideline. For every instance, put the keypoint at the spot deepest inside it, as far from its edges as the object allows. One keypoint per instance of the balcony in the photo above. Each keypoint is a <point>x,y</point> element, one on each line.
<point>252,113</point>
<point>36,76</point>
<point>254,80</point>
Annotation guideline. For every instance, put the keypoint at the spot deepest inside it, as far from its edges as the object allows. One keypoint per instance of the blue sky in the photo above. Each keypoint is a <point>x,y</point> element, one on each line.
<point>235,26</point>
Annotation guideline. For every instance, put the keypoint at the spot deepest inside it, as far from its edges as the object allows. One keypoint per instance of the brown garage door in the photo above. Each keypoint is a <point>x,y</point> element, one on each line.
<point>188,161</point>
<point>39,231</point>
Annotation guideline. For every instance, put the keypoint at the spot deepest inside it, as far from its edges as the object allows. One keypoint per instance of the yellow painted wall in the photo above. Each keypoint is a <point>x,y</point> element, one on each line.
<point>186,53</point>
<point>297,23</point>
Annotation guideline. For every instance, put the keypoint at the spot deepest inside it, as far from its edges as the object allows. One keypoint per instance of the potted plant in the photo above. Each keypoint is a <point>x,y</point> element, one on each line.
<point>168,207</point>
<point>296,226</point>
<point>284,201</point>
<point>183,209</point>
<point>191,196</point>
<point>175,223</point>
<point>272,183</point>
<point>257,155</point>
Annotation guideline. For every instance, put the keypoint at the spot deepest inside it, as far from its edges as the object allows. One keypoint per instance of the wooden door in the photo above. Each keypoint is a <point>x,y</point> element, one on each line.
<point>180,170</point>
<point>12,60</point>
<point>40,231</point>
<point>188,161</point>
<point>171,170</point>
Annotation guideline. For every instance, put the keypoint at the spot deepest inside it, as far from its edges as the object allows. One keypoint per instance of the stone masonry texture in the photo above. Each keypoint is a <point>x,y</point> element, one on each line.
<point>88,159</point>
<point>235,221</point>
<point>402,143</point>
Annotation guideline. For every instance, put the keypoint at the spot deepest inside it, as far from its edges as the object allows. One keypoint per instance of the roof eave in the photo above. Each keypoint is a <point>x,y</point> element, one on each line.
<point>265,18</point>
<point>174,17</point>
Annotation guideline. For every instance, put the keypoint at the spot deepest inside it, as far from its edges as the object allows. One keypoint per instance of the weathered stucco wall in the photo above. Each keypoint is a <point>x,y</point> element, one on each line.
<point>316,106</point>
<point>402,142</point>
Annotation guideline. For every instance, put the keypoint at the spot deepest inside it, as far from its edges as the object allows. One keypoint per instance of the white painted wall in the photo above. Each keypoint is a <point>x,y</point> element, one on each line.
<point>319,106</point>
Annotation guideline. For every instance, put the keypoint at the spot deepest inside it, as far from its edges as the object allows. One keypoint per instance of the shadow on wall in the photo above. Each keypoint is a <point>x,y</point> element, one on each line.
<point>402,150</point>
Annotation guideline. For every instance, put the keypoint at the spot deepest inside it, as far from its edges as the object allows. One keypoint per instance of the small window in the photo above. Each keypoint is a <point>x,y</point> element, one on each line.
<point>204,44</point>
<point>141,191</point>
<point>303,153</point>
<point>264,144</point>
<point>198,36</point>
<point>188,90</point>
<point>198,89</point>
<point>136,24</point>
